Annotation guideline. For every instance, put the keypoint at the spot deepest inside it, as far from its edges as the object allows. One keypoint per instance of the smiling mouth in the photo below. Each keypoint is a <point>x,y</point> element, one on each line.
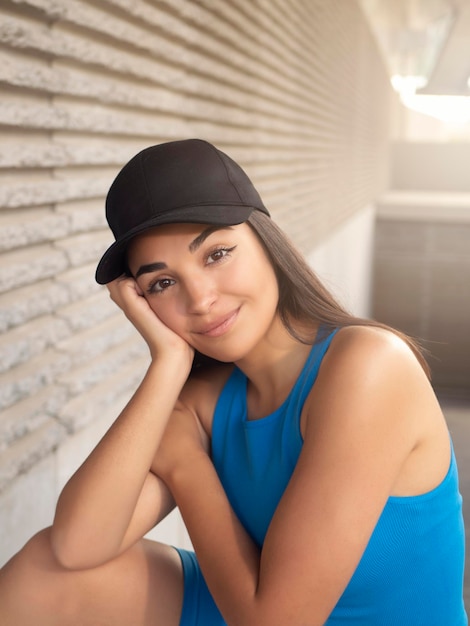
<point>220,327</point>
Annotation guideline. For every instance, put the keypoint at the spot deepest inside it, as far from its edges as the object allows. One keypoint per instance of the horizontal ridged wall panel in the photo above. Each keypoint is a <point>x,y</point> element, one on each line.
<point>293,89</point>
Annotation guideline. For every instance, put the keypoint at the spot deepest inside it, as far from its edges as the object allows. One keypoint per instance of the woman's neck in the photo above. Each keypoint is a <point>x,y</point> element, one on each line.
<point>272,369</point>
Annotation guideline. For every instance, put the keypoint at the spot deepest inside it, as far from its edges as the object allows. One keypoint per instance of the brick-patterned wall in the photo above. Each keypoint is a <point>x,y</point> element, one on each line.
<point>293,89</point>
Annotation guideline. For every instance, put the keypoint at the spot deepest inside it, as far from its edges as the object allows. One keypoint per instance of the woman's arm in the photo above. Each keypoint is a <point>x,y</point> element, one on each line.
<point>114,496</point>
<point>362,426</point>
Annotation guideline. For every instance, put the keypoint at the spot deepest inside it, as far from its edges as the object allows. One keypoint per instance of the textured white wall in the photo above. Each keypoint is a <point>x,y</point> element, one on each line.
<point>293,90</point>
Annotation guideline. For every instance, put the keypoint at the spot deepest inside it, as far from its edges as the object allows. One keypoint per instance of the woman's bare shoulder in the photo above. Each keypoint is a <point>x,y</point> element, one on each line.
<point>370,345</point>
<point>370,364</point>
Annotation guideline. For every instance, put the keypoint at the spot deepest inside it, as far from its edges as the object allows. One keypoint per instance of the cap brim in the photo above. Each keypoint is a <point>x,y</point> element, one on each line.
<point>113,262</point>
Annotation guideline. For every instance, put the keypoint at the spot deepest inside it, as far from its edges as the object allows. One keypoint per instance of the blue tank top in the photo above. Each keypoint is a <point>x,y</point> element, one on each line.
<point>411,573</point>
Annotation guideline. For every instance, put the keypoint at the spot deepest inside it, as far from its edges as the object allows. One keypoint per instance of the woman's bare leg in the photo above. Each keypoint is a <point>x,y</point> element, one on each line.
<point>142,587</point>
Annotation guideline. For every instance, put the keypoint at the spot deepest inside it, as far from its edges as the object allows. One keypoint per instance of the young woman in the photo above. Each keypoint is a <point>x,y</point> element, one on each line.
<point>304,447</point>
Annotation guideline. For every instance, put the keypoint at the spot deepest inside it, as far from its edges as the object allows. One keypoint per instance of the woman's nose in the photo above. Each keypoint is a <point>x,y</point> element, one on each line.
<point>200,295</point>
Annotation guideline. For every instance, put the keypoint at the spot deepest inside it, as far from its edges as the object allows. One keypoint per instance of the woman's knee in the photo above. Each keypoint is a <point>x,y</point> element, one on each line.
<point>36,589</point>
<point>33,583</point>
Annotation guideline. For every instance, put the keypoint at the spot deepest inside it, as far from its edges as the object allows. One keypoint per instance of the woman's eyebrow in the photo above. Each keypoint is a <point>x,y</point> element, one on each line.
<point>151,267</point>
<point>196,243</point>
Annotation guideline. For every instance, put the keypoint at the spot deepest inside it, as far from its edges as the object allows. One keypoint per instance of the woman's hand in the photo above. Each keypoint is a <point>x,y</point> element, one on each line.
<point>126,293</point>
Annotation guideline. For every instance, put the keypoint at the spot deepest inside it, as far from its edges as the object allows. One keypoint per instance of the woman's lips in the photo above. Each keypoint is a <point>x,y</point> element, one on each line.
<point>220,326</point>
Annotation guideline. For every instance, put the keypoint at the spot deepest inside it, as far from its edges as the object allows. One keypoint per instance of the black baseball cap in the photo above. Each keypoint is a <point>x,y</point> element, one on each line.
<point>188,181</point>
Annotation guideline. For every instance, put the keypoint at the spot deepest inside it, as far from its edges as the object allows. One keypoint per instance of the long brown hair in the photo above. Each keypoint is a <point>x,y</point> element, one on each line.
<point>302,296</point>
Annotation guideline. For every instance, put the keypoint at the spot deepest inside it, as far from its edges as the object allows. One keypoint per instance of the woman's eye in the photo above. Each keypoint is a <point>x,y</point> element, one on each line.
<point>219,254</point>
<point>160,285</point>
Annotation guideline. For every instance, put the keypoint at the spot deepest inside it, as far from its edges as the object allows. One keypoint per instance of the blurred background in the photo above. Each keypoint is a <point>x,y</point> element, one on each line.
<point>353,120</point>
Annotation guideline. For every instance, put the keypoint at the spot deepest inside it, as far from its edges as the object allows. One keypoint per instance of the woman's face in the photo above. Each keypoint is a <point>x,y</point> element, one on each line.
<point>213,286</point>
